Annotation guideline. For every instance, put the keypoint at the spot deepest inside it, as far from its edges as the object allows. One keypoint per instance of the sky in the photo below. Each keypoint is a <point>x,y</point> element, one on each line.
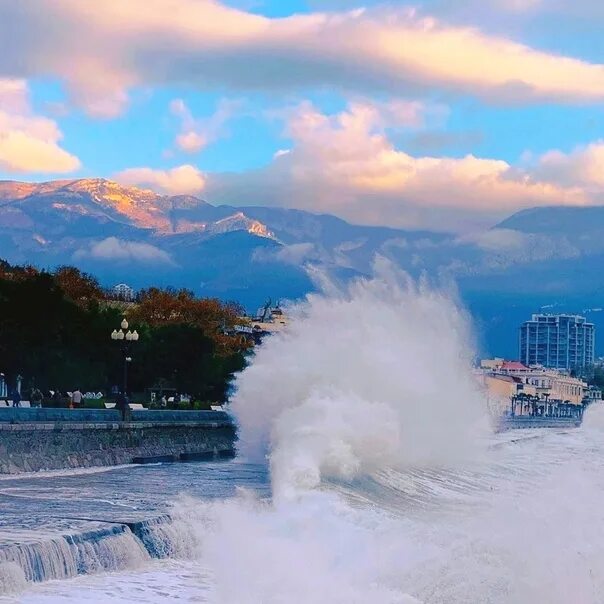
<point>446,115</point>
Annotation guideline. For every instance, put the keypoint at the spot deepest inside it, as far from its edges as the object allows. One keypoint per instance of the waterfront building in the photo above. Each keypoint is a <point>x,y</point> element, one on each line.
<point>594,394</point>
<point>268,320</point>
<point>500,390</point>
<point>271,321</point>
<point>124,292</point>
<point>557,342</point>
<point>529,390</point>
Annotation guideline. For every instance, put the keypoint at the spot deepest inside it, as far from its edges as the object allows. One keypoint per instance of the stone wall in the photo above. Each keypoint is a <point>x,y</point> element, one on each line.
<point>49,414</point>
<point>33,446</point>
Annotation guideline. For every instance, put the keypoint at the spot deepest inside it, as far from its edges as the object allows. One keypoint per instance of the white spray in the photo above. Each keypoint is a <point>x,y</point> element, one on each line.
<point>375,376</point>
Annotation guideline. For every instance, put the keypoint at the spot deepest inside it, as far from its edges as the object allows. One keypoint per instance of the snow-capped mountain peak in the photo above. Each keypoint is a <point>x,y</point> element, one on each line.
<point>103,200</point>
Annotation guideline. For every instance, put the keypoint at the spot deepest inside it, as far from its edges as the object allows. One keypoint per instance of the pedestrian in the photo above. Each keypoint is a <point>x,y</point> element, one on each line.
<point>56,398</point>
<point>76,398</point>
<point>16,397</point>
<point>123,405</point>
<point>36,397</point>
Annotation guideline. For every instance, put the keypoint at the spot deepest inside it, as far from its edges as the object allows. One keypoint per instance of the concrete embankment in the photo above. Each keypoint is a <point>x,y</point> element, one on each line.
<point>50,439</point>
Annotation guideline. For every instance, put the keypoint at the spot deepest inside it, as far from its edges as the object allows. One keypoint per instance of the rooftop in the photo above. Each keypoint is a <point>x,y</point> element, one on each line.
<point>514,366</point>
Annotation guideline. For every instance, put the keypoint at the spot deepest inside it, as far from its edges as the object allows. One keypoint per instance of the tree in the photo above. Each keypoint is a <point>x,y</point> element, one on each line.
<point>79,287</point>
<point>183,357</point>
<point>55,332</point>
<point>159,307</point>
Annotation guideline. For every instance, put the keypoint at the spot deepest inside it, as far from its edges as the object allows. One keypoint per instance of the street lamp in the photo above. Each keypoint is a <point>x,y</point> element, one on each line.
<point>127,338</point>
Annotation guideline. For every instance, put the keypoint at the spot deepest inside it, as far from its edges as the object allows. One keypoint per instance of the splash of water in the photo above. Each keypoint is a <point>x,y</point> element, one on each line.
<point>376,375</point>
<point>106,549</point>
<point>12,578</point>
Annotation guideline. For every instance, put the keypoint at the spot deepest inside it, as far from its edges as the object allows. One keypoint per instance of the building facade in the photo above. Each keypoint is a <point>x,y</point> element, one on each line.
<point>513,388</point>
<point>124,292</point>
<point>564,342</point>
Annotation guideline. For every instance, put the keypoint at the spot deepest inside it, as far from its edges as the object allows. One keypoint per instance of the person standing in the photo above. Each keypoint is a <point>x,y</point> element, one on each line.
<point>123,405</point>
<point>36,397</point>
<point>16,397</point>
<point>76,398</point>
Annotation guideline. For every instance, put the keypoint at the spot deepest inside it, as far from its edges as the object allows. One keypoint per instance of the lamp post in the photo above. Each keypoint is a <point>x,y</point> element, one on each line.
<point>126,338</point>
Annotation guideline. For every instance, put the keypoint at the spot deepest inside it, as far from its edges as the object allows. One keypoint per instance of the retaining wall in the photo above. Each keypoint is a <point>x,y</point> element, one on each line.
<point>49,414</point>
<point>47,445</point>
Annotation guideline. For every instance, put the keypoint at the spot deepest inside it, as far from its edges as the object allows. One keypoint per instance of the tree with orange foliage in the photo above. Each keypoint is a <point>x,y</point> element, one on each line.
<point>79,287</point>
<point>160,307</point>
<point>53,331</point>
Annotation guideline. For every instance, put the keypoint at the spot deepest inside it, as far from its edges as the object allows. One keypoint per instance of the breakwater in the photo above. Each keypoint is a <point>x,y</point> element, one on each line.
<point>50,439</point>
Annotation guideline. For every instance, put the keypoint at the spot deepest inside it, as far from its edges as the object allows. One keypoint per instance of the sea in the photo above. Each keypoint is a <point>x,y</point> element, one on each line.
<point>367,473</point>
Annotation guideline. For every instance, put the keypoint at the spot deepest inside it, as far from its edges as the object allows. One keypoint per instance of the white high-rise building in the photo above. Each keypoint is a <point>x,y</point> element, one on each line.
<point>557,341</point>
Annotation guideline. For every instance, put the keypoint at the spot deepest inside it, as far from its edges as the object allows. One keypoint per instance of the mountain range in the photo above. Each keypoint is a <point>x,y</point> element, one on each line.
<point>547,257</point>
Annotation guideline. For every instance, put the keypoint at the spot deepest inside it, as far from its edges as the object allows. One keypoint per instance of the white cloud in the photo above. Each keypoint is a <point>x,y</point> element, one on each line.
<point>29,142</point>
<point>195,134</point>
<point>14,96</point>
<point>182,180</point>
<point>191,141</point>
<point>505,247</point>
<point>207,45</point>
<point>113,248</point>
<point>584,166</point>
<point>296,254</point>
<point>345,164</point>
<point>498,240</point>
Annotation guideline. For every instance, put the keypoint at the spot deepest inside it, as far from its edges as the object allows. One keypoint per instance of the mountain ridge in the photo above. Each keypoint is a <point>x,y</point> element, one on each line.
<point>140,208</point>
<point>536,257</point>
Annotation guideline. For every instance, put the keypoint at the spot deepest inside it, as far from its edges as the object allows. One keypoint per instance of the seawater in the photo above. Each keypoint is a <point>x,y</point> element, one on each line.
<point>368,474</point>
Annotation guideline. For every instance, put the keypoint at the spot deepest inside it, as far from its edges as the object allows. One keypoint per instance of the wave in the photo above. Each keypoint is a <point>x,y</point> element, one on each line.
<point>64,472</point>
<point>108,547</point>
<point>523,526</point>
<point>373,376</point>
<point>387,486</point>
<point>372,379</point>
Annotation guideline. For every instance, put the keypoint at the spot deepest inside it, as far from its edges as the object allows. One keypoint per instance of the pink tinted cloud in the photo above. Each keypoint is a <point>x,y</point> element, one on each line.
<point>583,166</point>
<point>102,49</point>
<point>196,133</point>
<point>29,142</point>
<point>182,180</point>
<point>346,164</point>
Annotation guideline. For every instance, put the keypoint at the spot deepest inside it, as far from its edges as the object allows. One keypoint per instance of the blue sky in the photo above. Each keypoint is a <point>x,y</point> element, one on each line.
<point>435,114</point>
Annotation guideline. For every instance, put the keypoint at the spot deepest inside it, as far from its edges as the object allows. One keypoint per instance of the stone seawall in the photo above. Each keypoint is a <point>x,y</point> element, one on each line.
<point>33,446</point>
<point>49,414</point>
